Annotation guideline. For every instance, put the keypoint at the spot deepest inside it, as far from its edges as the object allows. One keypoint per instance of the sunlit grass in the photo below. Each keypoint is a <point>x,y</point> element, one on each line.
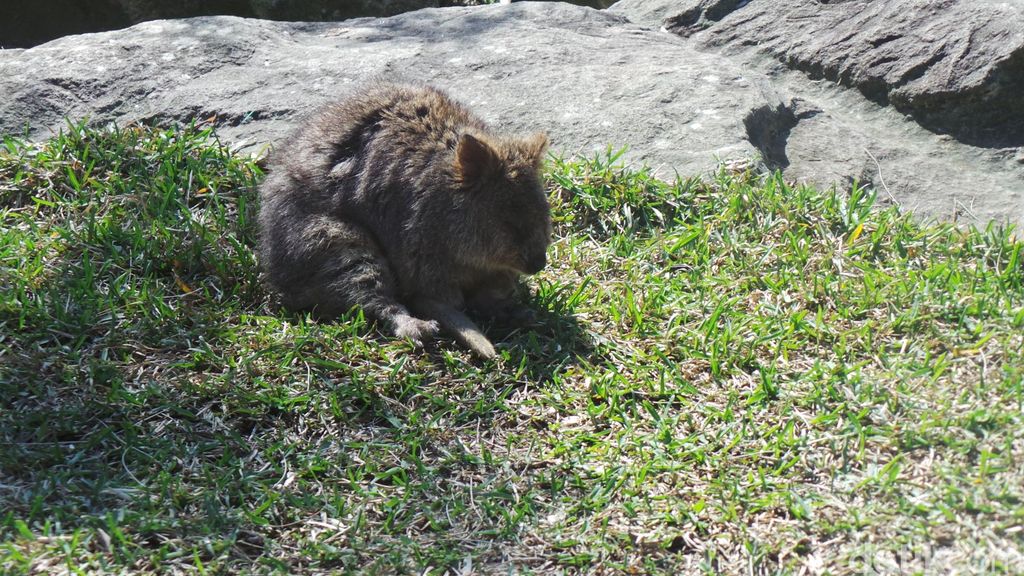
<point>729,376</point>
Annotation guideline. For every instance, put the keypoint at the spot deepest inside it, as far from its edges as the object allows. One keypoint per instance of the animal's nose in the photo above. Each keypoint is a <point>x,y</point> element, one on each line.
<point>536,263</point>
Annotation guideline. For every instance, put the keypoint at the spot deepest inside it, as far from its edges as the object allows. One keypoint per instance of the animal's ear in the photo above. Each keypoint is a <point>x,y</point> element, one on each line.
<point>535,146</point>
<point>475,159</point>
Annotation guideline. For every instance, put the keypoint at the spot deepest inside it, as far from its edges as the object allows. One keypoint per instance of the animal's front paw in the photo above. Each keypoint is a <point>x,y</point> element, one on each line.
<point>419,331</point>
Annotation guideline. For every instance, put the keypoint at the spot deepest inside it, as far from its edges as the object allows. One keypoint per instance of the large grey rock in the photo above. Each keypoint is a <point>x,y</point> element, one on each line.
<point>27,24</point>
<point>590,78</point>
<point>587,77</point>
<point>956,66</point>
<point>919,69</point>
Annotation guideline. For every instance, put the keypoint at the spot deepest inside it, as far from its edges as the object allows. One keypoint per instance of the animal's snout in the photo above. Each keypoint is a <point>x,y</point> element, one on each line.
<point>536,262</point>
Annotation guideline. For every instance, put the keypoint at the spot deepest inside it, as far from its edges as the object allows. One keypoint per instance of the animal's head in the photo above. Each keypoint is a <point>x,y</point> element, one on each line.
<point>508,217</point>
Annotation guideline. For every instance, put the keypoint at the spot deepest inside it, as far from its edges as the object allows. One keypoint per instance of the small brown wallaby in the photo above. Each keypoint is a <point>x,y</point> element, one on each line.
<point>403,203</point>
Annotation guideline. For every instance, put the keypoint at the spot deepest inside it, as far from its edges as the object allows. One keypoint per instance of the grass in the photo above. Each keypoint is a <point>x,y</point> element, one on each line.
<point>734,376</point>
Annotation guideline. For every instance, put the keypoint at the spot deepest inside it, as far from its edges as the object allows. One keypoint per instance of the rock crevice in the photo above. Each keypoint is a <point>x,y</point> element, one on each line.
<point>955,66</point>
<point>700,14</point>
<point>768,129</point>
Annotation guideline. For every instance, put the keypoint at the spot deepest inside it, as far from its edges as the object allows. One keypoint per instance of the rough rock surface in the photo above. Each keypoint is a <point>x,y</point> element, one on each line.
<point>956,66</point>
<point>587,77</point>
<point>936,120</point>
<point>590,78</point>
<point>27,24</point>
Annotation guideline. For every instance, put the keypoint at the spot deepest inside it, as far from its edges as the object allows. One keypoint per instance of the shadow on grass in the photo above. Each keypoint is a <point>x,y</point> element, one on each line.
<point>224,426</point>
<point>212,430</point>
<point>154,410</point>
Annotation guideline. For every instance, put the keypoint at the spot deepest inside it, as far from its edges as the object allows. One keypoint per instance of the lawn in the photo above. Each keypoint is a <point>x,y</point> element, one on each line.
<point>734,375</point>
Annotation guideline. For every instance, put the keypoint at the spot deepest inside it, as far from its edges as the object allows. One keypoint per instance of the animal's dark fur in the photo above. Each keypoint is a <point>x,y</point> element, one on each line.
<point>402,202</point>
